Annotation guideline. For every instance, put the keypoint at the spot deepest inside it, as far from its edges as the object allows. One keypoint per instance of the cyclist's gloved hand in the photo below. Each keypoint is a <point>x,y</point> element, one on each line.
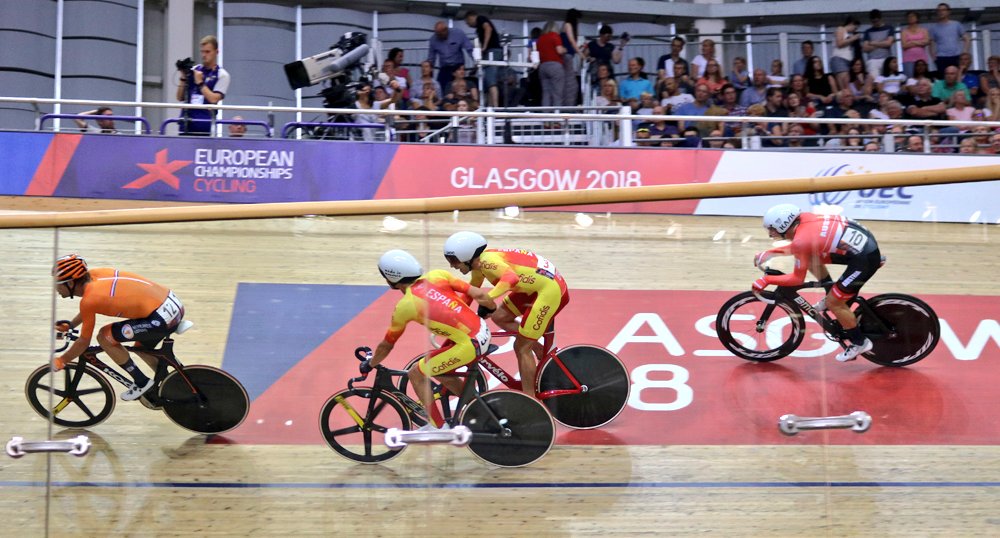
<point>758,285</point>
<point>64,326</point>
<point>365,367</point>
<point>485,312</point>
<point>59,363</point>
<point>760,259</point>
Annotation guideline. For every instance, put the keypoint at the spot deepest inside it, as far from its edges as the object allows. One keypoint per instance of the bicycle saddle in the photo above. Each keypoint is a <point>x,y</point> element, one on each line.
<point>183,326</point>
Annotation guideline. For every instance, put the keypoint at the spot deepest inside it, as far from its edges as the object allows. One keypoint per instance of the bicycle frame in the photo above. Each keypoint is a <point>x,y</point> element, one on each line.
<point>829,323</point>
<point>164,355</point>
<point>550,352</point>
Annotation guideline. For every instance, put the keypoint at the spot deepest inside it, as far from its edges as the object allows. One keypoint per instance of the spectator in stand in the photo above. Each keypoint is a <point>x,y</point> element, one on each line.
<point>601,74</point>
<point>915,39</point>
<point>103,126</point>
<point>944,88</point>
<point>846,38</point>
<point>426,80</point>
<point>872,146</point>
<point>891,80</point>
<point>981,135</point>
<point>397,55</point>
<point>237,130</point>
<point>550,70</point>
<point>860,83</point>
<point>636,83</point>
<point>967,146</point>
<point>914,144</point>
<point>671,97</point>
<point>802,108</point>
<point>797,85</point>
<point>877,42</point>
<point>602,52</point>
<point>969,77</point>
<point>429,97</point>
<point>730,102</point>
<point>702,100</point>
<point>842,109</point>
<point>800,65</point>
<point>821,86</point>
<point>700,61</point>
<point>960,110</point>
<point>662,129</point>
<point>948,39</point>
<point>665,64</point>
<point>490,50</point>
<point>757,92</point>
<point>713,78</point>
<point>992,110</point>
<point>389,68</point>
<point>609,94</point>
<point>921,71</point>
<point>991,78</point>
<point>774,107</point>
<point>795,137</point>
<point>683,78</point>
<point>446,50</point>
<point>460,91</point>
<point>777,78</point>
<point>739,77</point>
<point>372,99</point>
<point>921,105</point>
<point>570,35</point>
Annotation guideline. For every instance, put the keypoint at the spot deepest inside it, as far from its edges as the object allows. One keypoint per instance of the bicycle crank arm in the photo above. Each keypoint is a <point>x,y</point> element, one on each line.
<point>457,436</point>
<point>859,421</point>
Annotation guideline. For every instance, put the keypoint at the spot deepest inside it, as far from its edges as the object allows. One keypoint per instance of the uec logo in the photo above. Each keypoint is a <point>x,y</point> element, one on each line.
<point>838,197</point>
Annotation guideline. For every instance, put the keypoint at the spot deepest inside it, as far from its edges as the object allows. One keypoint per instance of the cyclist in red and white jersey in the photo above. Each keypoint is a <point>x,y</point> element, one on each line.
<point>817,240</point>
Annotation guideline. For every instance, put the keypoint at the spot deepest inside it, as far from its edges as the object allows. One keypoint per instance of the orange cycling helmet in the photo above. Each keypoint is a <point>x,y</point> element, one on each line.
<point>69,268</point>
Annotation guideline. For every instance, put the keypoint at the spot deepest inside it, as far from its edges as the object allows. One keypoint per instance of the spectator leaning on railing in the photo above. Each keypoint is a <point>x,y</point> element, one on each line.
<point>103,126</point>
<point>205,83</point>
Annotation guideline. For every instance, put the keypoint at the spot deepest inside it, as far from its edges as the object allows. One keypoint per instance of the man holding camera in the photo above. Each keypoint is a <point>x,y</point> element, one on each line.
<point>205,83</point>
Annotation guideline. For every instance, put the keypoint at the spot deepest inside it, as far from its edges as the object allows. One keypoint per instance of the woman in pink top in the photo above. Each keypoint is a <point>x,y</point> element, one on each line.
<point>915,40</point>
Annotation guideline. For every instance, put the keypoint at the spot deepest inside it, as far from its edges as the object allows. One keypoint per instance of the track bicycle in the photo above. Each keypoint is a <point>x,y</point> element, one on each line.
<point>583,386</point>
<point>769,326</point>
<point>199,398</point>
<point>509,428</point>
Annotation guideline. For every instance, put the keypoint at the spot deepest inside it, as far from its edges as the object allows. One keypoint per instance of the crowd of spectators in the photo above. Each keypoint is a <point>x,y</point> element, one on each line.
<point>861,79</point>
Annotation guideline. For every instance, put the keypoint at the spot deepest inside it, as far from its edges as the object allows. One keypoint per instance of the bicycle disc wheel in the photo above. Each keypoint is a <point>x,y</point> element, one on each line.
<point>83,397</point>
<point>531,428</point>
<point>354,425</point>
<point>914,329</point>
<point>604,378</point>
<point>743,332</point>
<point>219,404</point>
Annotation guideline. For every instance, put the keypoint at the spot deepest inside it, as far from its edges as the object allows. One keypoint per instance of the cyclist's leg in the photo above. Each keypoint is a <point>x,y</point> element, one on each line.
<point>859,269</point>
<point>505,315</point>
<point>437,362</point>
<point>549,300</point>
<point>110,338</point>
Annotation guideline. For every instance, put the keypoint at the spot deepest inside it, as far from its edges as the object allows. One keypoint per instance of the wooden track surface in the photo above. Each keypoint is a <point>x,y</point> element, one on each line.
<point>140,478</point>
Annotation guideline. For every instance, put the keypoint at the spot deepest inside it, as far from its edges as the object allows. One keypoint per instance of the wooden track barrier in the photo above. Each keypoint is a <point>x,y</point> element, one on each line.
<point>490,201</point>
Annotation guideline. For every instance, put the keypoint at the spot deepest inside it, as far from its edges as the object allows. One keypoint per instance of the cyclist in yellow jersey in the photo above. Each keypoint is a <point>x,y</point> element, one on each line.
<point>432,300</point>
<point>534,290</point>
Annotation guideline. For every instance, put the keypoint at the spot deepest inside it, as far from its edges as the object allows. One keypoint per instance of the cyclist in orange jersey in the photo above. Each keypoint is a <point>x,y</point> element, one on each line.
<point>152,312</point>
<point>432,300</point>
<point>535,291</point>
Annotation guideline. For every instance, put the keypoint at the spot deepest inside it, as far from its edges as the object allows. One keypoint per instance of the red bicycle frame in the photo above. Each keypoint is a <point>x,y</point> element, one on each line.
<point>549,351</point>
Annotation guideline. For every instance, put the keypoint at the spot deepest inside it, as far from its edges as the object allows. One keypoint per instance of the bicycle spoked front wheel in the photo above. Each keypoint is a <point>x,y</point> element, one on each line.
<point>204,399</point>
<point>604,382</point>
<point>524,434</point>
<point>914,329</point>
<point>756,331</point>
<point>81,395</point>
<point>354,422</point>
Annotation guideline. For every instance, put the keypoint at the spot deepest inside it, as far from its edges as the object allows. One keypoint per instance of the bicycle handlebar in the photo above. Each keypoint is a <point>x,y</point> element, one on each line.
<point>68,337</point>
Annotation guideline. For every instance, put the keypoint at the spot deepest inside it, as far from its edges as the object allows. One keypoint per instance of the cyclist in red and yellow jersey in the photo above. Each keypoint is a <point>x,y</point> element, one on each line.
<point>535,291</point>
<point>815,241</point>
<point>432,300</point>
<point>152,312</point>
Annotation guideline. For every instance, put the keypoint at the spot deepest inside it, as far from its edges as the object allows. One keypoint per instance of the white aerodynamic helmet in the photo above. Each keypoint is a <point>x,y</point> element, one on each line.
<point>781,217</point>
<point>463,247</point>
<point>397,265</point>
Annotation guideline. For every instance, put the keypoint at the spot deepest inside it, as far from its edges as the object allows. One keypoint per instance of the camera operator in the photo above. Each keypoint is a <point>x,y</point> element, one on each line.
<point>205,83</point>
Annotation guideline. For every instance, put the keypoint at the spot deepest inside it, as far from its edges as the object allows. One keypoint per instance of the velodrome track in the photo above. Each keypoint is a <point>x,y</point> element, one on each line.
<point>928,466</point>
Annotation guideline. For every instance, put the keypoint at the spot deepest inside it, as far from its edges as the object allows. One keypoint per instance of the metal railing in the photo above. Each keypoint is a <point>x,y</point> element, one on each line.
<point>559,124</point>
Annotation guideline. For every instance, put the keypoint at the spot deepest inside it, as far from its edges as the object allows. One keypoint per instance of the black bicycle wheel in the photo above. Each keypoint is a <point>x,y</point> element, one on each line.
<point>603,377</point>
<point>743,332</point>
<point>527,434</point>
<point>216,402</point>
<point>83,397</point>
<point>914,329</point>
<point>404,381</point>
<point>354,425</point>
